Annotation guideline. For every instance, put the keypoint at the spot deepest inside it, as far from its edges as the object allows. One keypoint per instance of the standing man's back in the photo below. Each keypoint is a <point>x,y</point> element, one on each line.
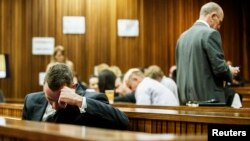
<point>200,59</point>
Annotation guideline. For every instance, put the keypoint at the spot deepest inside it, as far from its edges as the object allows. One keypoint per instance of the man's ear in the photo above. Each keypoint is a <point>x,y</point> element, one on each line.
<point>213,15</point>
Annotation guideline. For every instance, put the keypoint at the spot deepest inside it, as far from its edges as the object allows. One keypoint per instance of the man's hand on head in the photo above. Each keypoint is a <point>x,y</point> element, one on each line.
<point>69,96</point>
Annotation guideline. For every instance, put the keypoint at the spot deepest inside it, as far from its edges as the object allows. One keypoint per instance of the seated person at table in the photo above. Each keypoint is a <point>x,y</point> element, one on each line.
<point>156,73</point>
<point>63,102</point>
<point>93,84</point>
<point>125,93</point>
<point>106,80</point>
<point>149,91</point>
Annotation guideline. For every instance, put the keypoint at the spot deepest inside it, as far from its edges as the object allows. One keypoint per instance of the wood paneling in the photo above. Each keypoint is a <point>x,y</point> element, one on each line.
<point>161,23</point>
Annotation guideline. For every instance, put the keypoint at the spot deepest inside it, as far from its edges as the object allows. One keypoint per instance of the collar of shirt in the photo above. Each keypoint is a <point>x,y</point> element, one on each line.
<point>202,21</point>
<point>49,111</point>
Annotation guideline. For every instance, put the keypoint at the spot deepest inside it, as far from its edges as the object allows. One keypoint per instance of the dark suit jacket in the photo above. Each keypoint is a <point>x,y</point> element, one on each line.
<point>127,98</point>
<point>201,66</point>
<point>98,112</point>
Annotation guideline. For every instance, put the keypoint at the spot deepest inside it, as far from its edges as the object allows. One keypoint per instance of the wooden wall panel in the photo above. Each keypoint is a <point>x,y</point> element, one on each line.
<point>130,49</point>
<point>160,24</point>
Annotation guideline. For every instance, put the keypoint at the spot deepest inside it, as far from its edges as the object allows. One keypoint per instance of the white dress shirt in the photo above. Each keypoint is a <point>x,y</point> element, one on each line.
<point>152,92</point>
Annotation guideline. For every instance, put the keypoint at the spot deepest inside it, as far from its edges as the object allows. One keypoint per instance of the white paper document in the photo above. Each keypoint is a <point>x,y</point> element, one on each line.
<point>43,45</point>
<point>41,78</point>
<point>73,25</point>
<point>128,28</point>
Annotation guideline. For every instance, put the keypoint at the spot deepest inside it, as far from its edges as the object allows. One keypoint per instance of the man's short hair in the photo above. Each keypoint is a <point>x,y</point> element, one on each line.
<point>154,72</point>
<point>58,75</point>
<point>209,8</point>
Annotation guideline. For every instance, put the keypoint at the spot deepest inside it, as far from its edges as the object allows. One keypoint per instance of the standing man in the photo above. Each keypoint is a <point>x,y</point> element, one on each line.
<point>200,60</point>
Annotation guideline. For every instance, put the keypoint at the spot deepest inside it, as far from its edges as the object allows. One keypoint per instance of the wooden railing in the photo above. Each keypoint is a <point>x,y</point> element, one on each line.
<point>11,110</point>
<point>178,120</point>
<point>20,130</point>
<point>189,108</point>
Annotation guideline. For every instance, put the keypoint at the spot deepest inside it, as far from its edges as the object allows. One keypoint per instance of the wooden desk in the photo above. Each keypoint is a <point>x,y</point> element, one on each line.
<point>19,130</point>
<point>177,121</point>
<point>12,110</point>
<point>200,108</point>
<point>180,121</point>
<point>245,93</point>
<point>14,100</point>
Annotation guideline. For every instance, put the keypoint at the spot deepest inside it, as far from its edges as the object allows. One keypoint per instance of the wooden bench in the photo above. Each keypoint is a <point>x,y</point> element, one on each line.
<point>19,130</point>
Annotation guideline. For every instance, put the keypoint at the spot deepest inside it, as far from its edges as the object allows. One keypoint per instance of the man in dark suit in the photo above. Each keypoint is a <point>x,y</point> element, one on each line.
<point>201,67</point>
<point>63,102</point>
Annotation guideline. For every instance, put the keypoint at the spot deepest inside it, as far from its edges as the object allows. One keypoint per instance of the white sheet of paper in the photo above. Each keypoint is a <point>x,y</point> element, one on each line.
<point>41,78</point>
<point>43,45</point>
<point>73,24</point>
<point>3,70</point>
<point>128,28</point>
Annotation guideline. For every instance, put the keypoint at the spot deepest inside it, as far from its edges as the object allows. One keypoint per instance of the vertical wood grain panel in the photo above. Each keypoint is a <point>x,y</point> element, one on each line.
<point>160,24</point>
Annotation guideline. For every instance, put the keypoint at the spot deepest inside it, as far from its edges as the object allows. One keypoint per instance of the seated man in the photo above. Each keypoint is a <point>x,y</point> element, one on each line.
<point>149,91</point>
<point>156,73</point>
<point>62,102</point>
<point>130,98</point>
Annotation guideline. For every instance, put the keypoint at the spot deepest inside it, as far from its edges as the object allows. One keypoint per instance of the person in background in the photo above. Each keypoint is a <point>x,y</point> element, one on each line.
<point>149,91</point>
<point>172,72</point>
<point>106,81</point>
<point>99,68</point>
<point>116,70</point>
<point>156,73</point>
<point>201,66</point>
<point>63,102</point>
<point>77,80</point>
<point>125,93</point>
<point>120,87</point>
<point>59,56</point>
<point>93,84</point>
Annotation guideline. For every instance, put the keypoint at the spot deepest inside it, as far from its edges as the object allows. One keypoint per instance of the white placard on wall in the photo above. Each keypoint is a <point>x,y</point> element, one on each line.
<point>43,45</point>
<point>41,78</point>
<point>73,24</point>
<point>128,28</point>
<point>3,69</point>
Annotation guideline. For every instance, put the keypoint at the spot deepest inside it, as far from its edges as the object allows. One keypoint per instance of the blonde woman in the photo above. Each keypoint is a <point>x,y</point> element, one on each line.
<point>59,56</point>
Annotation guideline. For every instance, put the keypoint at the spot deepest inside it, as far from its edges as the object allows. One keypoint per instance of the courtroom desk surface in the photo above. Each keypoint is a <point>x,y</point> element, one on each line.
<point>14,100</point>
<point>13,105</point>
<point>30,130</point>
<point>241,89</point>
<point>188,116</point>
<point>199,108</point>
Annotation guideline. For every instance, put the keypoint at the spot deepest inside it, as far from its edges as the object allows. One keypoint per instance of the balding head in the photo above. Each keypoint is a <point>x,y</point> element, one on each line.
<point>213,14</point>
<point>208,8</point>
